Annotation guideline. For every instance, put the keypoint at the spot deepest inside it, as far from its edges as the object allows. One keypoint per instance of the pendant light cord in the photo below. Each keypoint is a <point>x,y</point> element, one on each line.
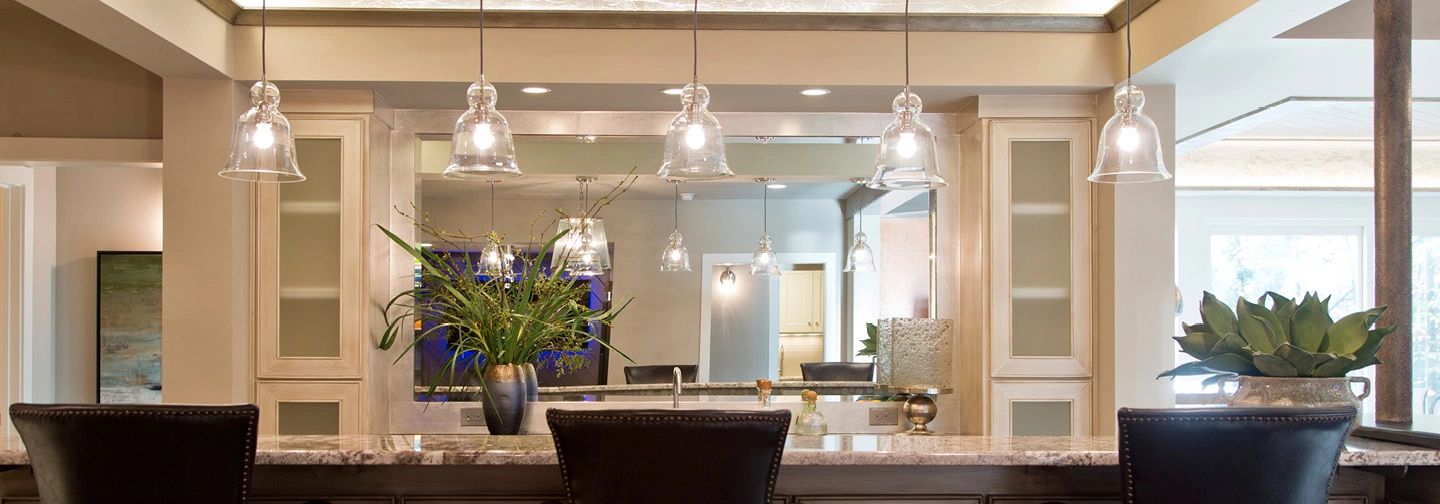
<point>907,51</point>
<point>765,213</point>
<point>1129,52</point>
<point>482,40</point>
<point>677,206</point>
<point>695,45</point>
<point>492,206</point>
<point>263,25</point>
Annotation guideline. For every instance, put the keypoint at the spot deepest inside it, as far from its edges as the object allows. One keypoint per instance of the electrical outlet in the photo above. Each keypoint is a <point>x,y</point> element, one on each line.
<point>884,416</point>
<point>472,417</point>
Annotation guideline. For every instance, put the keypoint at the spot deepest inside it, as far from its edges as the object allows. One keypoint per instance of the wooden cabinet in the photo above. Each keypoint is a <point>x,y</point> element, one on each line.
<point>802,302</point>
<point>310,407</point>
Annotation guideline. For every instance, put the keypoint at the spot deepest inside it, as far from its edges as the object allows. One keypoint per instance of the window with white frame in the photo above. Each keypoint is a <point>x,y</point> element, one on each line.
<point>1244,243</point>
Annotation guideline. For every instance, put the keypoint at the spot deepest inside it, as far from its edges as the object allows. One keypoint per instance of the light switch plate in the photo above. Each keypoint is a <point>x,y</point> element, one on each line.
<point>884,416</point>
<point>472,417</point>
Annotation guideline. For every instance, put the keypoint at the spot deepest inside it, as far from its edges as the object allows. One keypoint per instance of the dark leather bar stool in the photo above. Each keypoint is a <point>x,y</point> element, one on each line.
<point>691,456</point>
<point>139,454</point>
<point>1231,455</point>
<point>837,371</point>
<point>660,374</point>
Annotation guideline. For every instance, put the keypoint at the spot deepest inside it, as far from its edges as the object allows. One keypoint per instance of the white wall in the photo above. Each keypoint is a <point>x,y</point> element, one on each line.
<point>97,208</point>
<point>662,325</point>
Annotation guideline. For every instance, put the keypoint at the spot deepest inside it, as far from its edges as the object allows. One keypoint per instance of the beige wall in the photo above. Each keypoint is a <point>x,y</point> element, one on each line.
<point>206,247</point>
<point>56,83</point>
<point>662,325</point>
<point>97,208</point>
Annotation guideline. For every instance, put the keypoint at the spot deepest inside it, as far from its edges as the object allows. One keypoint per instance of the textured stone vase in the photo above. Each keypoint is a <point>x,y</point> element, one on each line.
<point>532,382</point>
<point>1262,391</point>
<point>913,353</point>
<point>504,398</point>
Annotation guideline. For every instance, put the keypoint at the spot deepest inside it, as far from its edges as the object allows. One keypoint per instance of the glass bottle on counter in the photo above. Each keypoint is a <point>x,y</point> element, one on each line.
<point>810,422</point>
<point>763,389</point>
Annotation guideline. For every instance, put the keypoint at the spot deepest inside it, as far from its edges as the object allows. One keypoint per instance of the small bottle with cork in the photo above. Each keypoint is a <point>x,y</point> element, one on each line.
<point>763,388</point>
<point>810,422</point>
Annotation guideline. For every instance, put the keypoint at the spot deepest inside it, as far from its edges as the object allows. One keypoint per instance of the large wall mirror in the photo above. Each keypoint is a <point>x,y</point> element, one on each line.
<point>731,326</point>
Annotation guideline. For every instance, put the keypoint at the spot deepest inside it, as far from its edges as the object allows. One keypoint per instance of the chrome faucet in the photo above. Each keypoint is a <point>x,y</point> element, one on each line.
<point>675,393</point>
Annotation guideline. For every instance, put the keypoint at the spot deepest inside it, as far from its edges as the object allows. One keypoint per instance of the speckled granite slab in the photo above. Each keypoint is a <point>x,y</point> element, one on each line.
<point>835,449</point>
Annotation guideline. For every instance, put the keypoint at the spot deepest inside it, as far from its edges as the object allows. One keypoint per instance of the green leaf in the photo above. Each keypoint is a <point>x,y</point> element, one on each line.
<point>1303,362</point>
<point>1201,327</point>
<point>1272,365</point>
<point>1218,317</point>
<point>1230,363</point>
<point>1349,333</point>
<point>1361,364</point>
<point>1253,328</point>
<point>1192,368</point>
<point>1214,380</point>
<point>1338,365</point>
<point>1231,344</point>
<point>1308,327</point>
<point>1372,343</point>
<point>1197,344</point>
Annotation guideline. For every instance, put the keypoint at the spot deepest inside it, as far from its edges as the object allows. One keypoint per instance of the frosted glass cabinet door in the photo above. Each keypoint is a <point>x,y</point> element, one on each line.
<point>1040,409</point>
<point>309,291</point>
<point>309,408</point>
<point>1040,244</point>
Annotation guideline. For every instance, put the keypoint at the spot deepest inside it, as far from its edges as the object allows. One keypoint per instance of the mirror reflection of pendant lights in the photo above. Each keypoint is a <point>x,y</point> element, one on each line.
<point>497,260</point>
<point>765,262</point>
<point>262,148</point>
<point>727,281</point>
<point>907,159</point>
<point>1130,149</point>
<point>694,144</point>
<point>675,257</point>
<point>482,148</point>
<point>584,250</point>
<point>860,258</point>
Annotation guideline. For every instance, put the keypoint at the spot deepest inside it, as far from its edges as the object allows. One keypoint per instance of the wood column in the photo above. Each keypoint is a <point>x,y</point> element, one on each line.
<point>1392,206</point>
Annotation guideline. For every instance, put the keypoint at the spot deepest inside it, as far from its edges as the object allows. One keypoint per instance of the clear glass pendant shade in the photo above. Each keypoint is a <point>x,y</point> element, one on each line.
<point>675,257</point>
<point>583,251</point>
<point>497,260</point>
<point>860,257</point>
<point>482,147</point>
<point>907,159</point>
<point>694,144</point>
<point>765,262</point>
<point>262,148</point>
<point>1130,149</point>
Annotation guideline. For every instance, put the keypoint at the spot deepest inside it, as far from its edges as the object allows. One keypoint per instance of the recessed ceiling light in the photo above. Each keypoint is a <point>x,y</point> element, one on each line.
<point>535,90</point>
<point>774,186</point>
<point>674,91</point>
<point>815,92</point>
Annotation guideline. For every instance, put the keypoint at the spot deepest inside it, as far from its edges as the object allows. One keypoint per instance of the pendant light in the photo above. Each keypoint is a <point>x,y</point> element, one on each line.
<point>860,257</point>
<point>482,148</point>
<point>497,260</point>
<point>584,250</point>
<point>694,144</point>
<point>262,148</point>
<point>1130,150</point>
<point>675,257</point>
<point>907,159</point>
<point>727,281</point>
<point>765,262</point>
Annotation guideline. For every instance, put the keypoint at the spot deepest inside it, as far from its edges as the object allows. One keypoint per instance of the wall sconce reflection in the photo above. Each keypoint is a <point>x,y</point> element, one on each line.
<point>727,281</point>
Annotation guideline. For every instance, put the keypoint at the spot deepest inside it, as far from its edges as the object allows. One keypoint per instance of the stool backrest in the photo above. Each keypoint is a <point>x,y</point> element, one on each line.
<point>1231,455</point>
<point>837,371</point>
<point>664,373</point>
<point>134,454</point>
<point>691,456</point>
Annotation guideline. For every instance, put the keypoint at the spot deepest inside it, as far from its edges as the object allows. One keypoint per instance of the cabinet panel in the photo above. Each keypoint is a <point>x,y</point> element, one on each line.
<point>1040,408</point>
<point>1040,230</point>
<point>300,407</point>
<point>802,302</point>
<point>310,318</point>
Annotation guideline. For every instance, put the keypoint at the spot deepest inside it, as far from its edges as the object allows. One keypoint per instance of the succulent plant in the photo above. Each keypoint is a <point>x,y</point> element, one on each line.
<point>1284,339</point>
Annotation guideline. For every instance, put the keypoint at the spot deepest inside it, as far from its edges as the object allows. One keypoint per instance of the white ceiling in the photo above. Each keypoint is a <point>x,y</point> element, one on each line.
<point>1356,20</point>
<point>646,187</point>
<point>1062,7</point>
<point>1333,120</point>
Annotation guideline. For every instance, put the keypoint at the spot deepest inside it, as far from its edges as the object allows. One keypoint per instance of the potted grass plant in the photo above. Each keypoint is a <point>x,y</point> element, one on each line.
<point>1282,352</point>
<point>506,320</point>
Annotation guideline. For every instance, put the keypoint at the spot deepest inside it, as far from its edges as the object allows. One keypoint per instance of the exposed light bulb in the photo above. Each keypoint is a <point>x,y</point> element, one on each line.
<point>1128,139</point>
<point>675,254</point>
<point>727,281</point>
<point>763,258</point>
<point>906,145</point>
<point>695,136</point>
<point>484,138</point>
<point>264,136</point>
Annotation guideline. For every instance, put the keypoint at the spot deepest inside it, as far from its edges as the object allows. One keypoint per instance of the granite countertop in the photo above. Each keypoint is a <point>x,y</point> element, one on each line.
<point>782,387</point>
<point>834,449</point>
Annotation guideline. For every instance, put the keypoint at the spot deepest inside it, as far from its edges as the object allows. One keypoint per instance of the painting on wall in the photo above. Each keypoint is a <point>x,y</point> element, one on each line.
<point>128,327</point>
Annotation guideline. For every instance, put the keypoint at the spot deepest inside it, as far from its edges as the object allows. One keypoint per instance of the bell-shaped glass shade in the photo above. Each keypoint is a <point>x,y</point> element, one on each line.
<point>860,257</point>
<point>694,144</point>
<point>497,260</point>
<point>907,159</point>
<point>262,148</point>
<point>1130,149</point>
<point>583,251</point>
<point>482,148</point>
<point>675,257</point>
<point>765,262</point>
